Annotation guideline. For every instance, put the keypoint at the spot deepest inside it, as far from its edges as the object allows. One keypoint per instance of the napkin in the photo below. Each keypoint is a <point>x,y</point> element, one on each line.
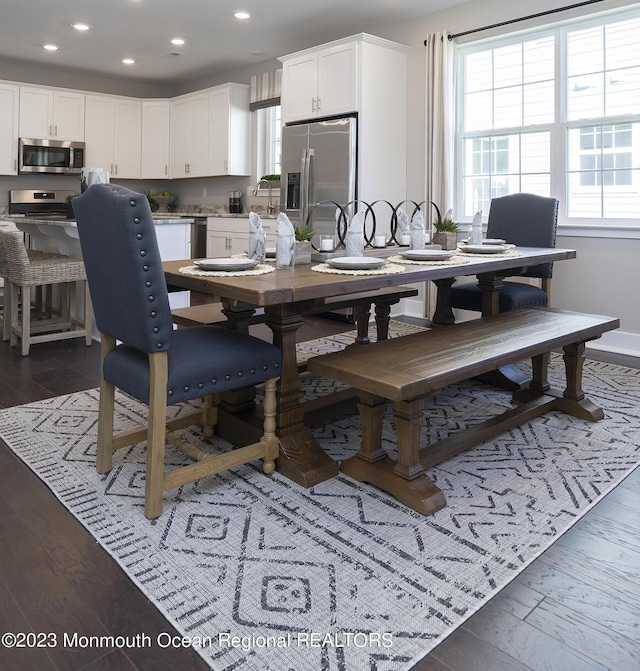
<point>476,229</point>
<point>355,235</point>
<point>285,242</point>
<point>418,236</point>
<point>257,239</point>
<point>403,223</point>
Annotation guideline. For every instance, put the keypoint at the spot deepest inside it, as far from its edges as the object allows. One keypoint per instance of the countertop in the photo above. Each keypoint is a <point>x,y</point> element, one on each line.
<point>60,221</point>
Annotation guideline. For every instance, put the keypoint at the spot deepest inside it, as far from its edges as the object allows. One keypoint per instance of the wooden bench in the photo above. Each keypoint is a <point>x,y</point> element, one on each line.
<point>407,370</point>
<point>214,313</point>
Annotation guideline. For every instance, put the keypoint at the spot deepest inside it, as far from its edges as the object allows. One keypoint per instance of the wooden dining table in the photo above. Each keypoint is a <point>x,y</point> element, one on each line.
<point>286,295</point>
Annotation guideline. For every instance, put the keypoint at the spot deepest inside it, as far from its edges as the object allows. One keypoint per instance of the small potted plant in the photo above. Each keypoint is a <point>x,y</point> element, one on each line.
<point>273,179</point>
<point>69,203</point>
<point>303,244</point>
<point>163,200</point>
<point>446,234</point>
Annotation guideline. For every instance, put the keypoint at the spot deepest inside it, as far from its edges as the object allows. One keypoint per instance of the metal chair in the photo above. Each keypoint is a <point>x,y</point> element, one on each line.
<point>154,363</point>
<point>526,220</point>
<point>23,270</point>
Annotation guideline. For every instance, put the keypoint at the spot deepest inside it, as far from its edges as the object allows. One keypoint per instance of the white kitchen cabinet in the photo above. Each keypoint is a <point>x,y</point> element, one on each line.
<point>230,235</point>
<point>190,135</point>
<point>47,113</point>
<point>230,131</point>
<point>113,135</point>
<point>9,113</point>
<point>320,82</point>
<point>156,133</point>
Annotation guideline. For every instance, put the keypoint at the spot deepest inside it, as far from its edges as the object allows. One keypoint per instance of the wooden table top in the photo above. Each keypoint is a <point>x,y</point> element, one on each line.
<point>304,284</point>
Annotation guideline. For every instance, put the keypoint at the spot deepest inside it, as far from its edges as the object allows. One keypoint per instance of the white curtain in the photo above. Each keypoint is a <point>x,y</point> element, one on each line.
<point>440,113</point>
<point>440,132</point>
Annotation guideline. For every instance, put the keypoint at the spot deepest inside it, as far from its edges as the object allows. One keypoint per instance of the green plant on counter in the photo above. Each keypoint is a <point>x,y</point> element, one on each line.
<point>302,233</point>
<point>271,178</point>
<point>448,226</point>
<point>70,198</point>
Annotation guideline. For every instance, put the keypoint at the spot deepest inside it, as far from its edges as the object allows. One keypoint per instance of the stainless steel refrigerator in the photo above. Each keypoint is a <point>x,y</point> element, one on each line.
<point>318,169</point>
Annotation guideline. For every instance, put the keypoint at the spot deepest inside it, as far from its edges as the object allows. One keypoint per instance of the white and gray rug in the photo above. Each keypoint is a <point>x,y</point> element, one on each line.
<point>262,574</point>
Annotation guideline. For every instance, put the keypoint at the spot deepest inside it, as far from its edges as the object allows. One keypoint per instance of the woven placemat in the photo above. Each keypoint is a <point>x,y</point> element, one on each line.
<point>388,269</point>
<point>260,269</point>
<point>499,255</point>
<point>451,261</point>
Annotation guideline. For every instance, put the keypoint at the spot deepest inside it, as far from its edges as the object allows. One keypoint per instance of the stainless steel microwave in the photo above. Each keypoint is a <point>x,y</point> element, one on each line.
<point>55,156</point>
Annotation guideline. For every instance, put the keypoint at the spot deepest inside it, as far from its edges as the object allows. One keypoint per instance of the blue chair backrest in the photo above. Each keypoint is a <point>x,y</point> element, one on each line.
<point>526,220</point>
<point>124,270</point>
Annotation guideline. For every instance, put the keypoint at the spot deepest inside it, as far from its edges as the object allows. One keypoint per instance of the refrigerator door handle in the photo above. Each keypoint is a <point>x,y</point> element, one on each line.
<point>305,186</point>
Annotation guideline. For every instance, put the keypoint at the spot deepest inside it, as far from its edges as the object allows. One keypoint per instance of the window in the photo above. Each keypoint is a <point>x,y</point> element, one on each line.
<point>269,137</point>
<point>554,112</point>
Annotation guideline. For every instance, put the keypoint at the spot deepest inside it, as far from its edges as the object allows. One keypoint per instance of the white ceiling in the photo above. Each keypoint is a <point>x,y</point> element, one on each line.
<point>216,42</point>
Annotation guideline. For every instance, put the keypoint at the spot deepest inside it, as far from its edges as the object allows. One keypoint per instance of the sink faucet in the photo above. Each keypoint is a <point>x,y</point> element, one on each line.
<point>270,206</point>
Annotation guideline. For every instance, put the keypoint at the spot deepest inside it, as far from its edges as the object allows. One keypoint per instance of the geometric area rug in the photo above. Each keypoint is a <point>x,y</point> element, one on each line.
<point>258,573</point>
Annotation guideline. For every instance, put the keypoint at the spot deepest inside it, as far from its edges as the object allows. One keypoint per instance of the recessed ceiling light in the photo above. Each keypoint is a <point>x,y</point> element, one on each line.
<point>177,41</point>
<point>257,53</point>
<point>50,47</point>
<point>242,14</point>
<point>81,26</point>
<point>128,61</point>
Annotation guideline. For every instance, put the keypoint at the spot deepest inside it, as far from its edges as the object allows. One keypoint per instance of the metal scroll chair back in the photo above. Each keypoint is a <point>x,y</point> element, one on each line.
<point>155,364</point>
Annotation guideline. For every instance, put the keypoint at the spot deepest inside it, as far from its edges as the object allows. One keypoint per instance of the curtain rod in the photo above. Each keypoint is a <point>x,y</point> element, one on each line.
<point>523,18</point>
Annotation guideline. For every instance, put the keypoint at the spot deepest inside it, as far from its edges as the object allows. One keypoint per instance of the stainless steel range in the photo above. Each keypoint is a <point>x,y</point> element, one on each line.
<point>40,203</point>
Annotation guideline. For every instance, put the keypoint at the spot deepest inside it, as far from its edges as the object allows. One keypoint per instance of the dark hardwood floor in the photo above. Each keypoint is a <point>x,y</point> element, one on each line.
<point>577,607</point>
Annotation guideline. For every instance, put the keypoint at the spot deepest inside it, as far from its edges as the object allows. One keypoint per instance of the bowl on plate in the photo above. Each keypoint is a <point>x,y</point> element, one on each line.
<point>226,264</point>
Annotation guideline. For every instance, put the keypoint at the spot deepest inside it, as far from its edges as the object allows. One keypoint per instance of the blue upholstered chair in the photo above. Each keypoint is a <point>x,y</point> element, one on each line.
<point>526,220</point>
<point>143,356</point>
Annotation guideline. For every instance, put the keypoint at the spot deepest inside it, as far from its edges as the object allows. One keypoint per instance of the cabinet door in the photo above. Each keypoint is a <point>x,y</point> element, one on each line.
<point>180,136</point>
<point>198,161</point>
<point>36,113</point>
<point>218,244</point>
<point>219,102</point>
<point>299,87</point>
<point>99,132</point>
<point>127,139</point>
<point>9,112</point>
<point>337,80</point>
<point>68,115</point>
<point>156,130</point>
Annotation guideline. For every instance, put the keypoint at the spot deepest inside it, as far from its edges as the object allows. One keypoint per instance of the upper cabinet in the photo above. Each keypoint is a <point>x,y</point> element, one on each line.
<point>113,135</point>
<point>47,113</point>
<point>156,133</point>
<point>230,146</point>
<point>210,132</point>
<point>9,110</point>
<point>190,135</point>
<point>320,82</point>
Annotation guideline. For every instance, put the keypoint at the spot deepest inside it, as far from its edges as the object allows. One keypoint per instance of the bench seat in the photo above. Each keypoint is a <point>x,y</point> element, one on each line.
<point>407,370</point>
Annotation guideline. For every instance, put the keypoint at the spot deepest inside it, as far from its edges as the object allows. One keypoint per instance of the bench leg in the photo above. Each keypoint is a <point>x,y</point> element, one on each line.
<point>539,383</point>
<point>362,313</point>
<point>574,401</point>
<point>405,479</point>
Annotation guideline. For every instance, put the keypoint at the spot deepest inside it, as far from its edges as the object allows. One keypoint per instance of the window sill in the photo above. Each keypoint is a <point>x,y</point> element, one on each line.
<point>627,232</point>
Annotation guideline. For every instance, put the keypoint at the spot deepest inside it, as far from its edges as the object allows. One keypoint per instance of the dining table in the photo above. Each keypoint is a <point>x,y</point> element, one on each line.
<point>286,295</point>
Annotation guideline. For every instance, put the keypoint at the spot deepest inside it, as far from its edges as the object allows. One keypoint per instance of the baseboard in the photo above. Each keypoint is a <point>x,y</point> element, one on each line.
<point>616,344</point>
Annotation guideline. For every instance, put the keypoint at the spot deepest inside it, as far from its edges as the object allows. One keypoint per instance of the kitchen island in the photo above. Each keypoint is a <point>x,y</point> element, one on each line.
<point>57,234</point>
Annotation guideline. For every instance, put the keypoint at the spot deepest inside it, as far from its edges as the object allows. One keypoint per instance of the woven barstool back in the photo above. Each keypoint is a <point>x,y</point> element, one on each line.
<point>29,268</point>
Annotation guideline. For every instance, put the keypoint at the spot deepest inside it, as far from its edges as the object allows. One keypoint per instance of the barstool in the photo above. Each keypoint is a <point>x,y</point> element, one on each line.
<point>26,269</point>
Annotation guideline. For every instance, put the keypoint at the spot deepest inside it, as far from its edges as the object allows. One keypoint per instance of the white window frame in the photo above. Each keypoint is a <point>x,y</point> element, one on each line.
<point>558,129</point>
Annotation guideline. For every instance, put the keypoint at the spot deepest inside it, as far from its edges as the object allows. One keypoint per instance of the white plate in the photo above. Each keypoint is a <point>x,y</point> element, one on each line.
<point>483,249</point>
<point>356,262</point>
<point>493,241</point>
<point>226,264</point>
<point>426,254</point>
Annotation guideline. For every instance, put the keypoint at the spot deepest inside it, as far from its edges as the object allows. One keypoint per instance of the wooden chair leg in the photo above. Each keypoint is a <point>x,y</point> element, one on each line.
<point>104,450</point>
<point>26,321</point>
<point>13,314</point>
<point>6,312</point>
<point>88,316</point>
<point>156,434</point>
<point>269,427</point>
